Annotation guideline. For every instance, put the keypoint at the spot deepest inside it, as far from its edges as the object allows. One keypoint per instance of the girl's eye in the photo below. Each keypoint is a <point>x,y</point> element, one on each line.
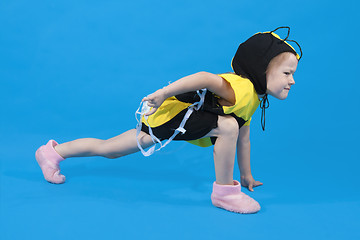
<point>287,73</point>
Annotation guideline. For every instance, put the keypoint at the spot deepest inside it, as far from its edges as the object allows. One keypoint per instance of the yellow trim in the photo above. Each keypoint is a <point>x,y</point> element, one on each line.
<point>202,142</point>
<point>278,37</point>
<point>248,122</point>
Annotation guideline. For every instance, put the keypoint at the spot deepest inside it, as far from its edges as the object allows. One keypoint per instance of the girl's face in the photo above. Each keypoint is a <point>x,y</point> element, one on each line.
<point>280,75</point>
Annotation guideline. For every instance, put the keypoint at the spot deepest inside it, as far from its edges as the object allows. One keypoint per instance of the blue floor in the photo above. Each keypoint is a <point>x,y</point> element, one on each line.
<point>72,70</point>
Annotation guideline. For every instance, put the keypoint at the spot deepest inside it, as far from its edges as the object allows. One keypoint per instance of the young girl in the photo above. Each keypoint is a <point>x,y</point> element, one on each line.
<point>204,109</point>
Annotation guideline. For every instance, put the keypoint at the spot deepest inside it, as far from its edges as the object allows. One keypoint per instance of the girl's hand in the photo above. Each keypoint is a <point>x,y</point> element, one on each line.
<point>249,182</point>
<point>155,100</point>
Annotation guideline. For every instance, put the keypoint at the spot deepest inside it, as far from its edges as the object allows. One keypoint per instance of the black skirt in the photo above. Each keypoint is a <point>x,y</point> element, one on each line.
<point>197,126</point>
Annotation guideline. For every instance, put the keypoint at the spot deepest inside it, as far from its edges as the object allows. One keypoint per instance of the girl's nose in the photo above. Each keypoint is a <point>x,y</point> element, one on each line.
<point>292,81</point>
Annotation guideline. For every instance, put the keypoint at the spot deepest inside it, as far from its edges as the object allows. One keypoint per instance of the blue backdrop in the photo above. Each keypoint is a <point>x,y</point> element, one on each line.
<point>73,69</point>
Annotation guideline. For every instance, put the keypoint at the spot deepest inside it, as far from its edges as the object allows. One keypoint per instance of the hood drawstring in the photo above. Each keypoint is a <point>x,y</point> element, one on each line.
<point>264,104</point>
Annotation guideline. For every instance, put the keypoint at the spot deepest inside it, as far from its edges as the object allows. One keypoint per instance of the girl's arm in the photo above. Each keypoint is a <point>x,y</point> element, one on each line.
<point>243,158</point>
<point>194,82</point>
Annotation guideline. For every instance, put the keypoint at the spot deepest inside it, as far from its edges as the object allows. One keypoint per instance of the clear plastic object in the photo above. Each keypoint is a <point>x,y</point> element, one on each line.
<point>145,108</point>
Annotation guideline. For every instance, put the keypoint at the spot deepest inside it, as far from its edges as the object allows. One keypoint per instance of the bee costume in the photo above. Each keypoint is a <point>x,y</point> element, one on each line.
<point>190,116</point>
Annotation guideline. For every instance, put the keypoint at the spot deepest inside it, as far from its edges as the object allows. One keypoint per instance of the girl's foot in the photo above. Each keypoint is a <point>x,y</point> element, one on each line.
<point>48,160</point>
<point>230,197</point>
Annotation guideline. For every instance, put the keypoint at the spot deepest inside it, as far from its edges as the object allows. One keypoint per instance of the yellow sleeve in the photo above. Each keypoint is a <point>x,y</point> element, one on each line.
<point>244,91</point>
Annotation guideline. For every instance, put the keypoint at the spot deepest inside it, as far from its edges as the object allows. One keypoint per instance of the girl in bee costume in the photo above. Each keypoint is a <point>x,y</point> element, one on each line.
<point>204,109</point>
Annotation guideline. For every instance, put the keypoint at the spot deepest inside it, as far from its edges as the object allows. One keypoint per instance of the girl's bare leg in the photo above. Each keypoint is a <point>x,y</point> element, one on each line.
<point>124,144</point>
<point>226,192</point>
<point>225,148</point>
<point>115,147</point>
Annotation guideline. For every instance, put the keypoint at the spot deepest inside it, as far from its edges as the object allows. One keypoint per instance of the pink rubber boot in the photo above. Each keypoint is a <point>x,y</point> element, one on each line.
<point>48,160</point>
<point>230,197</point>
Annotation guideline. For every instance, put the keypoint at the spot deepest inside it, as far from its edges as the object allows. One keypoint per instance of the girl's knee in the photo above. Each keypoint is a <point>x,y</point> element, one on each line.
<point>104,149</point>
<point>228,126</point>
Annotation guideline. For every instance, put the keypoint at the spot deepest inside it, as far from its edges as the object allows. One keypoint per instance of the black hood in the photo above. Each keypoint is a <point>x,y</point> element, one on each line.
<point>254,55</point>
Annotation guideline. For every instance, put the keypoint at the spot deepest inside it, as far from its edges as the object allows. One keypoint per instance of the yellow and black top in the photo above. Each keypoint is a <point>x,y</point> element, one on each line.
<point>169,115</point>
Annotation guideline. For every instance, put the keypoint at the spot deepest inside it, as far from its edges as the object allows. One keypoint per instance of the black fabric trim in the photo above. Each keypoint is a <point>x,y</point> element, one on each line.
<point>211,103</point>
<point>239,120</point>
